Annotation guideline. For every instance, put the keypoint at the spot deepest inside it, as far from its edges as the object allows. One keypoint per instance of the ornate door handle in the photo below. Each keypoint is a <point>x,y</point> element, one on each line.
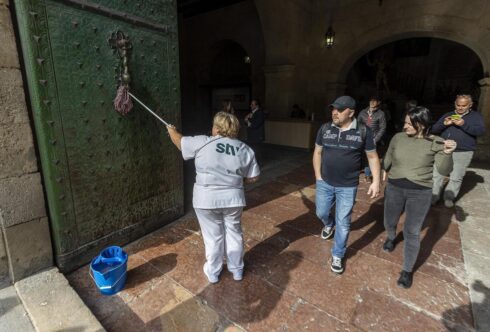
<point>122,45</point>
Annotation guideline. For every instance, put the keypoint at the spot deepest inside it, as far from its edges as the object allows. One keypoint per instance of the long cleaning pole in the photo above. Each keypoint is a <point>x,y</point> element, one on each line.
<point>148,109</point>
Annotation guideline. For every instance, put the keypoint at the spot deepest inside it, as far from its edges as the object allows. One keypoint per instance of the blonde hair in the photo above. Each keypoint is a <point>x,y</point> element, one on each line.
<point>226,124</point>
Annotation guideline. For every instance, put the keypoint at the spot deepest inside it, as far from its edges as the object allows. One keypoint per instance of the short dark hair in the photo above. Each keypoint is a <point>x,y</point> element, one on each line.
<point>421,119</point>
<point>375,97</point>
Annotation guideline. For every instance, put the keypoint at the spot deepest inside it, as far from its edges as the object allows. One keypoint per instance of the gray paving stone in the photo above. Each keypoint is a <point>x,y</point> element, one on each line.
<point>53,305</point>
<point>475,240</point>
<point>13,316</point>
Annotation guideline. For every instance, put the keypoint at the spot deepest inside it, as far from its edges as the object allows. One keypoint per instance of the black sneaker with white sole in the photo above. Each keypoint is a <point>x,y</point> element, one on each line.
<point>337,265</point>
<point>327,232</point>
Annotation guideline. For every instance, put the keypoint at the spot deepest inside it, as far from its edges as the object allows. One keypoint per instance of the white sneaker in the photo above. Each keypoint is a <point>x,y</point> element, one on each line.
<point>238,276</point>
<point>327,232</point>
<point>211,279</point>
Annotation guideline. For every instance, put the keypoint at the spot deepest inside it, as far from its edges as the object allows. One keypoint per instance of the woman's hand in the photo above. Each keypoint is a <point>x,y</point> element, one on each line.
<point>175,136</point>
<point>373,190</point>
<point>449,146</point>
<point>384,175</point>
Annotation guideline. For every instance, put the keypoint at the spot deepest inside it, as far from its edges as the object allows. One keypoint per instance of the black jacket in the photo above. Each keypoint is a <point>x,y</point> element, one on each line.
<point>378,122</point>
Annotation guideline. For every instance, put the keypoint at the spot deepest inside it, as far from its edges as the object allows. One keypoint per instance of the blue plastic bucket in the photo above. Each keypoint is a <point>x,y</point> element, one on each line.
<point>108,270</point>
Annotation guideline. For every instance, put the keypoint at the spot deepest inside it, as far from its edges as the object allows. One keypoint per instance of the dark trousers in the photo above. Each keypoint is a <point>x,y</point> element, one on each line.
<point>416,203</point>
<point>258,151</point>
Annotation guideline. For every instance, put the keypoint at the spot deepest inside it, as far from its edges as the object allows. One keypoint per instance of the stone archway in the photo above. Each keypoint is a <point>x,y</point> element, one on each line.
<point>359,52</point>
<point>456,29</point>
<point>416,68</point>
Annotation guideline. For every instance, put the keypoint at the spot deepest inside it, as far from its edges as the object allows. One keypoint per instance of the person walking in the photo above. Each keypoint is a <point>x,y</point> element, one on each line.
<point>337,162</point>
<point>409,162</point>
<point>374,118</point>
<point>223,164</point>
<point>462,125</point>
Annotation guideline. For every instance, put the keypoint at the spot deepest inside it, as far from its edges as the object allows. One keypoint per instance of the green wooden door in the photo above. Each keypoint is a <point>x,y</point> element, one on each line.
<point>109,179</point>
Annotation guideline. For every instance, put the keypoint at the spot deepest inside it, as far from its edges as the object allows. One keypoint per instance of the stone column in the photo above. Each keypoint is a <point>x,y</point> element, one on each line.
<point>279,89</point>
<point>334,90</point>
<point>26,242</point>
<point>331,92</point>
<point>483,151</point>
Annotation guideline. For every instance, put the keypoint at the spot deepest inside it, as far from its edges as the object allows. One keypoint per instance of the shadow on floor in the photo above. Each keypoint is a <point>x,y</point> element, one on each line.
<point>244,306</point>
<point>470,181</point>
<point>254,299</point>
<point>482,307</point>
<point>7,304</point>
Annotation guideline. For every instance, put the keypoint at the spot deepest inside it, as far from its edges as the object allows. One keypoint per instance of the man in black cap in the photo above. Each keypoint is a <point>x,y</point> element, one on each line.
<point>337,163</point>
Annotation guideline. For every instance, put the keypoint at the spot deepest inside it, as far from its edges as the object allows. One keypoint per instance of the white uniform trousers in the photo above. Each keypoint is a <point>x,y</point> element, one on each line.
<point>223,237</point>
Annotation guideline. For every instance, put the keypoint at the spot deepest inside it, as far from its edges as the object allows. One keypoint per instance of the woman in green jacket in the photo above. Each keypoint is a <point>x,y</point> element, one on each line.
<point>409,161</point>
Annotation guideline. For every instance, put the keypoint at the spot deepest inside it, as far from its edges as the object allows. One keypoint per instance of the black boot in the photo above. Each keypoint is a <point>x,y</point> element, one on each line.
<point>389,245</point>
<point>405,279</point>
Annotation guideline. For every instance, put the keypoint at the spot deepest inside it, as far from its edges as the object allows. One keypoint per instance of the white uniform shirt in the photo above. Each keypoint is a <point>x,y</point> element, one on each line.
<point>221,164</point>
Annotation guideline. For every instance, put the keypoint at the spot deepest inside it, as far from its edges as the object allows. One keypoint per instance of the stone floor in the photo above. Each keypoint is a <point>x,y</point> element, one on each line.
<point>13,316</point>
<point>472,211</point>
<point>288,285</point>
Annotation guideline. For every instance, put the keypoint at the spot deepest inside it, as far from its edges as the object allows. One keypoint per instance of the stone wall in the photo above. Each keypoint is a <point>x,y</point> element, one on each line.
<point>25,247</point>
<point>361,26</point>
<point>299,68</point>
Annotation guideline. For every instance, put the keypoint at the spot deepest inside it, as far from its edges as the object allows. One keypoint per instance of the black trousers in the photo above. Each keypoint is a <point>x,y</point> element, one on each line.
<point>259,152</point>
<point>416,204</point>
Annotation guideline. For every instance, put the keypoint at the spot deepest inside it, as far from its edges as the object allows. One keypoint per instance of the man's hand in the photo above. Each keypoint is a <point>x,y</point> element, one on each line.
<point>448,121</point>
<point>459,122</point>
<point>384,175</point>
<point>373,190</point>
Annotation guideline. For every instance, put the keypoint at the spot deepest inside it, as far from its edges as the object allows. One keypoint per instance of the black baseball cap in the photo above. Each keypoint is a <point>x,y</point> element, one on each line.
<point>343,103</point>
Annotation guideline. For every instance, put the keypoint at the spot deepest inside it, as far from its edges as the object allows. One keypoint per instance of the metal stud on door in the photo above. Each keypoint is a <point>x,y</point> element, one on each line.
<point>108,180</point>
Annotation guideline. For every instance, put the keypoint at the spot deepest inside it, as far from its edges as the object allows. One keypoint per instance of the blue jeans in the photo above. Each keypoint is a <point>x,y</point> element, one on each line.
<point>344,199</point>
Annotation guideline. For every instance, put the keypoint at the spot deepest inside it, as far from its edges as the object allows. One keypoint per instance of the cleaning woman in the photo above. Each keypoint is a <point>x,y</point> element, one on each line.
<point>223,164</point>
